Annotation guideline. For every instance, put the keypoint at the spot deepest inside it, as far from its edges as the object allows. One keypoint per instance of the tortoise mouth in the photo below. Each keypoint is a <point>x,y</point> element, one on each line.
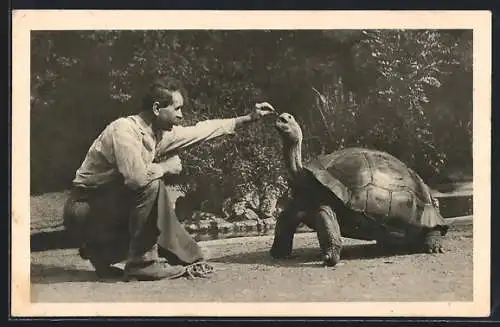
<point>280,126</point>
<point>288,128</point>
<point>283,130</point>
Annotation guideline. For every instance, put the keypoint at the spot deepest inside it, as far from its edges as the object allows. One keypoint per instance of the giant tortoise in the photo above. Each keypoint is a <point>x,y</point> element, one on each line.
<point>356,193</point>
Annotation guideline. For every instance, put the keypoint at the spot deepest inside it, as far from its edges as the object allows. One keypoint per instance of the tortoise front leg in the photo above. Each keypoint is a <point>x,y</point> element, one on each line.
<point>329,236</point>
<point>284,232</point>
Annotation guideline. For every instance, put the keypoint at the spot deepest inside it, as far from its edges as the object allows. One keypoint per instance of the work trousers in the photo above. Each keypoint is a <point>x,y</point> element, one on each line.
<point>129,225</point>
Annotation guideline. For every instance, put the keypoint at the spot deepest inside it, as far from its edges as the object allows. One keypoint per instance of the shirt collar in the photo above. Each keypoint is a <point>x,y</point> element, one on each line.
<point>144,128</point>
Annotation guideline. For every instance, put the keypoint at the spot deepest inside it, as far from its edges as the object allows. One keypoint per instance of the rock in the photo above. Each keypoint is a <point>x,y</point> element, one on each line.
<point>268,206</point>
<point>191,228</point>
<point>238,209</point>
<point>239,212</point>
<point>251,226</point>
<point>224,227</point>
<point>269,201</point>
<point>268,224</point>
<point>253,200</point>
<point>250,215</point>
<point>204,227</point>
<point>238,227</point>
<point>217,220</point>
<point>199,216</point>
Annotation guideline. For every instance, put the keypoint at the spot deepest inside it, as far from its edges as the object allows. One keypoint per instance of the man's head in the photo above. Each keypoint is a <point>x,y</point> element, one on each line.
<point>164,101</point>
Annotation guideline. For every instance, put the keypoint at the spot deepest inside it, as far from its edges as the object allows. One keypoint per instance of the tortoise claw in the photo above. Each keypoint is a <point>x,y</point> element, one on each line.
<point>433,243</point>
<point>439,249</point>
<point>434,248</point>
<point>332,258</point>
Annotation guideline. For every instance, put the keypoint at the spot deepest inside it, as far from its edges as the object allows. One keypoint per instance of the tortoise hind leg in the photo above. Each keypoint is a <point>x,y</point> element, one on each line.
<point>329,236</point>
<point>432,242</point>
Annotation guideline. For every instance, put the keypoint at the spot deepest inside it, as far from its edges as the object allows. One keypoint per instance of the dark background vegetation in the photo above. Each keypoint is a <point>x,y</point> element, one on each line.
<point>408,92</point>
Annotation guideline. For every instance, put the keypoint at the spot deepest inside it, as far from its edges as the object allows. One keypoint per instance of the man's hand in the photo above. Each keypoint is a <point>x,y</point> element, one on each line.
<point>172,165</point>
<point>262,109</point>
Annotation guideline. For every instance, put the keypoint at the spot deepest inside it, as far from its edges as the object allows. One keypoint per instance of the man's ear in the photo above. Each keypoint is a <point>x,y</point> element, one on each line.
<point>156,108</point>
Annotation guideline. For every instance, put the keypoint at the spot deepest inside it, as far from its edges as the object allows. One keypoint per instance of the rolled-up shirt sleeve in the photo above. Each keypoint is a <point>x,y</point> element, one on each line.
<point>127,148</point>
<point>182,137</point>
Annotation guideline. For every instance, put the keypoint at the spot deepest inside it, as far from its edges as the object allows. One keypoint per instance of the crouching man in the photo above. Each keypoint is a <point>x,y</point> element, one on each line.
<point>119,209</point>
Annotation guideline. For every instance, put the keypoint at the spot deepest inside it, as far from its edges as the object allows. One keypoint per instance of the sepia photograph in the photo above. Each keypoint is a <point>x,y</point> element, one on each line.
<point>238,163</point>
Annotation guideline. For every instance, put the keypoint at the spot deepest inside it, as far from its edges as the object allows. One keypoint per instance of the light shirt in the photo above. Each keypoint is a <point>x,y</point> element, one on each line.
<point>127,148</point>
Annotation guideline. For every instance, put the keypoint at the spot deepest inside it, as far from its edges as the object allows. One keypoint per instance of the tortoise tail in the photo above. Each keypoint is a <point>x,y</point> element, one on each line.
<point>432,219</point>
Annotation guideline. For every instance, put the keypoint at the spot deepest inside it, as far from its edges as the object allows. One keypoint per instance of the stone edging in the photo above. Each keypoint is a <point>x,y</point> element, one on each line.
<point>456,221</point>
<point>205,231</point>
<point>213,230</point>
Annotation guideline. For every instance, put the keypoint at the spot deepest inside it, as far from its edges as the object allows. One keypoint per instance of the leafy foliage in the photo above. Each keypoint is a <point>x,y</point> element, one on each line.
<point>407,92</point>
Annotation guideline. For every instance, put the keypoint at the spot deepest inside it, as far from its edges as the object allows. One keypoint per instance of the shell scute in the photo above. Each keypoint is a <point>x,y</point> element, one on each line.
<point>378,185</point>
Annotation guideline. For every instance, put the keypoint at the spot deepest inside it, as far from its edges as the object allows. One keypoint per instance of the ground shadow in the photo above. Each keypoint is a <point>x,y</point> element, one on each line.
<point>302,257</point>
<point>310,256</point>
<point>52,240</point>
<point>50,274</point>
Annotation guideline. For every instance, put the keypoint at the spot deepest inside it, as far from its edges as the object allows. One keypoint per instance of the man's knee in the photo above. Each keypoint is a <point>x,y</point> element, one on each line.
<point>75,215</point>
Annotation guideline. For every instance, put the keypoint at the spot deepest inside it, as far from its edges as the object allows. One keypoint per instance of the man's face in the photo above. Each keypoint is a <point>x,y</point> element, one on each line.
<point>170,115</point>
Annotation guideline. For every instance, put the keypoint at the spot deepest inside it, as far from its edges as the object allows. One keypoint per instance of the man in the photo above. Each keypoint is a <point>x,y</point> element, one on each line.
<point>119,205</point>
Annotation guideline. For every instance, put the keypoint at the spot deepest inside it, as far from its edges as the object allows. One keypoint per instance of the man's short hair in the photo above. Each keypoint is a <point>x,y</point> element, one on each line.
<point>161,91</point>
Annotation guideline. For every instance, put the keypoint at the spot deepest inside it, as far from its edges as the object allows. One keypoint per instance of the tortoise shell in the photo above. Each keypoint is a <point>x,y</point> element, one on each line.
<point>378,185</point>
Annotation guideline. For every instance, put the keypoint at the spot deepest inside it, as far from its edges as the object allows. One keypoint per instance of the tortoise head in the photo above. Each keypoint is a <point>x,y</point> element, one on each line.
<point>288,127</point>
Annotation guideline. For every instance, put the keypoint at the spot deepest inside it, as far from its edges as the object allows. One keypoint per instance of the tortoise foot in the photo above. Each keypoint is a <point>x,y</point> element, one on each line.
<point>331,258</point>
<point>433,243</point>
<point>329,236</point>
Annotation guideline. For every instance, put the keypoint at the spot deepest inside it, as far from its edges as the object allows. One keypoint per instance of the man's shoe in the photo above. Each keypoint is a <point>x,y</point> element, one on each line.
<point>102,269</point>
<point>105,271</point>
<point>150,271</point>
<point>83,251</point>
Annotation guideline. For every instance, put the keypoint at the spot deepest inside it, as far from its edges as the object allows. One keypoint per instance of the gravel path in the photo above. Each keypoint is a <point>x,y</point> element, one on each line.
<point>245,272</point>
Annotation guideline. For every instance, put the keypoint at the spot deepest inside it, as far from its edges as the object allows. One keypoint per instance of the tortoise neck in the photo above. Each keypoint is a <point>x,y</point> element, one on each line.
<point>293,157</point>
